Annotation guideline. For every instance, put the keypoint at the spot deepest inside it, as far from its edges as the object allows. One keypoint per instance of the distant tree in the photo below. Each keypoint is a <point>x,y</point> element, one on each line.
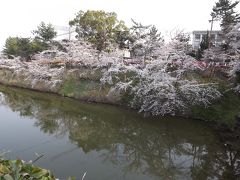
<point>45,32</point>
<point>154,42</point>
<point>137,38</point>
<point>26,47</point>
<point>144,40</point>
<point>122,38</point>
<point>11,46</point>
<point>23,47</point>
<point>204,44</point>
<point>225,13</point>
<point>15,46</point>
<point>39,46</point>
<point>99,27</point>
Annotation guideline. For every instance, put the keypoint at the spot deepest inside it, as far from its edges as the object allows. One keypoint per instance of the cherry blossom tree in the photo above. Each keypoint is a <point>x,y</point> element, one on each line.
<point>161,87</point>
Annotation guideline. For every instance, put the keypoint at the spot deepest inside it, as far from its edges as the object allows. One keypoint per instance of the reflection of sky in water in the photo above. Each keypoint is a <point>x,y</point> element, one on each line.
<point>107,142</point>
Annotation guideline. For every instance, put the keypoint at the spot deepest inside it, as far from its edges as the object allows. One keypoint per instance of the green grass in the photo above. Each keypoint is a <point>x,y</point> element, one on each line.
<point>223,110</point>
<point>79,88</point>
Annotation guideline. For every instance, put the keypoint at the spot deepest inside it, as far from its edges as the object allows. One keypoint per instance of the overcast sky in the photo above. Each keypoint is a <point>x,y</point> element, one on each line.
<point>20,17</point>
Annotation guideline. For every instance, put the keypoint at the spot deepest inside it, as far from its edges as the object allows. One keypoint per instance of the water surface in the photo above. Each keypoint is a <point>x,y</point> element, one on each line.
<point>109,143</point>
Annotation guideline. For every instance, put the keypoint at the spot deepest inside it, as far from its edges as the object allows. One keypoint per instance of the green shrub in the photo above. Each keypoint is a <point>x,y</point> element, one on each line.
<point>23,47</point>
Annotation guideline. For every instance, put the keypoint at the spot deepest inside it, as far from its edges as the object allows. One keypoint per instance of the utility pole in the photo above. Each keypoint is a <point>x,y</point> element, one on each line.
<point>69,31</point>
<point>209,36</point>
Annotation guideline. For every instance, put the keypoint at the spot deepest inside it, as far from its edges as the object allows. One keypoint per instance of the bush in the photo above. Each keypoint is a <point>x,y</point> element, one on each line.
<point>26,47</point>
<point>23,47</point>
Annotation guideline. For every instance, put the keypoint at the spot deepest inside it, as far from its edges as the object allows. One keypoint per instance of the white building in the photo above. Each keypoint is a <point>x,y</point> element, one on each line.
<point>198,36</point>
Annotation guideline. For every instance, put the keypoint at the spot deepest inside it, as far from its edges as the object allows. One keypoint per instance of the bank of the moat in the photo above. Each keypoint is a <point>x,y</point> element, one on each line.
<point>83,83</point>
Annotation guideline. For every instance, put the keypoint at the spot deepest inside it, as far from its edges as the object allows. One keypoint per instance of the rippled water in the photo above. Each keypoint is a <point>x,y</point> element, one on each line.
<point>108,142</point>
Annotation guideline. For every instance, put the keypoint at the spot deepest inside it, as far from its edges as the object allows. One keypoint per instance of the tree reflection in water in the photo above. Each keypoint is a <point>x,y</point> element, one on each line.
<point>164,149</point>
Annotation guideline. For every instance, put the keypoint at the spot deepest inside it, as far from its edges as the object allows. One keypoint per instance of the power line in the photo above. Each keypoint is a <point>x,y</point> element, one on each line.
<point>69,30</point>
<point>65,33</point>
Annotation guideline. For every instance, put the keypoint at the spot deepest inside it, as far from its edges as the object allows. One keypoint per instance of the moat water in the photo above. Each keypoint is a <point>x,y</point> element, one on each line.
<point>108,142</point>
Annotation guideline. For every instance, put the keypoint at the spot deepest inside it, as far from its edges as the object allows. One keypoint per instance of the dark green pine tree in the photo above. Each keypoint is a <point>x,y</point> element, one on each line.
<point>203,46</point>
<point>224,11</point>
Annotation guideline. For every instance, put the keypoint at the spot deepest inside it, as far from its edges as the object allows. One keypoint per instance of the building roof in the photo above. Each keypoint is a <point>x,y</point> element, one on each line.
<point>205,32</point>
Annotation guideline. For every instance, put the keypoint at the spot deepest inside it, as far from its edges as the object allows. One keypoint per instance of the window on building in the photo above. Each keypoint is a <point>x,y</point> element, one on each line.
<point>219,39</point>
<point>212,36</point>
<point>197,36</point>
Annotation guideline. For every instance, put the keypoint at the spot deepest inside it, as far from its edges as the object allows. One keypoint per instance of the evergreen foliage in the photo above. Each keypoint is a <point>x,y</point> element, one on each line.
<point>45,32</point>
<point>224,11</point>
<point>144,40</point>
<point>27,47</point>
<point>203,46</point>
<point>99,27</point>
<point>23,47</point>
